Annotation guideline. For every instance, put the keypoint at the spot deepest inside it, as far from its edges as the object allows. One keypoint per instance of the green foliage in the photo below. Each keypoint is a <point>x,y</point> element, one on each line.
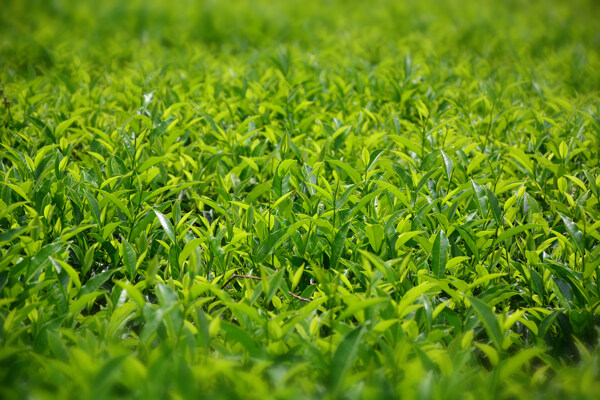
<point>299,199</point>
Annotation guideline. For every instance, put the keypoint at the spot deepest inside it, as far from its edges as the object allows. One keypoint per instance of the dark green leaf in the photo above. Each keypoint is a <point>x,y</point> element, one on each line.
<point>129,258</point>
<point>574,232</point>
<point>439,256</point>
<point>274,284</point>
<point>94,206</point>
<point>480,198</point>
<point>267,246</point>
<point>489,320</point>
<point>338,244</point>
<point>495,207</point>
<point>344,357</point>
<point>448,164</point>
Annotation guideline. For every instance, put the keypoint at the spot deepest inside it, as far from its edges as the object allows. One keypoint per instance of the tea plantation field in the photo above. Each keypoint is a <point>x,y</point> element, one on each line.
<point>299,199</point>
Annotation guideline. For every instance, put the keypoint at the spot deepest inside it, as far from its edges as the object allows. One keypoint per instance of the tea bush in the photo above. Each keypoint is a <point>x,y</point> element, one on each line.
<point>299,199</point>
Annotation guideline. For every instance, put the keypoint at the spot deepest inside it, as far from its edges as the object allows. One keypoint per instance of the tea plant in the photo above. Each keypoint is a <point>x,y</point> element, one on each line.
<point>299,200</point>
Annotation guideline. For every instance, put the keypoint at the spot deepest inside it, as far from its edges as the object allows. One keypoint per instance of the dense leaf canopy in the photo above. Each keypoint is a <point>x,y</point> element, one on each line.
<point>299,199</point>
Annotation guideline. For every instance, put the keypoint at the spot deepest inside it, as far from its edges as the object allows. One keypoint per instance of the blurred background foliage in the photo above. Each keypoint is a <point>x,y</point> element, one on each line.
<point>519,34</point>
